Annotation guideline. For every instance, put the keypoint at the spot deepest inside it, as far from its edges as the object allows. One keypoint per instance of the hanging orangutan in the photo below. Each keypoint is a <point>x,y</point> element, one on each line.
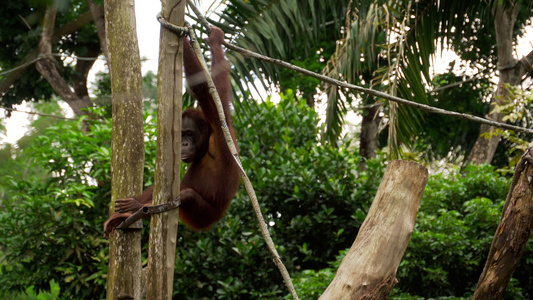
<point>212,178</point>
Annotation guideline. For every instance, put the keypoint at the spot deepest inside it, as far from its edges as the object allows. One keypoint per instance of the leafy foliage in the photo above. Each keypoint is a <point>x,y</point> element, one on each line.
<point>454,229</point>
<point>385,45</point>
<point>17,159</point>
<point>457,219</point>
<point>444,137</point>
<point>309,192</point>
<point>302,33</point>
<point>517,110</point>
<point>51,226</point>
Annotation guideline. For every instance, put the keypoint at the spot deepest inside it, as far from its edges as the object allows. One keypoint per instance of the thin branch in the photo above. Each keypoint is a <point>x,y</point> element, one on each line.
<point>372,92</point>
<point>48,69</point>
<point>98,14</point>
<point>37,113</point>
<point>200,16</point>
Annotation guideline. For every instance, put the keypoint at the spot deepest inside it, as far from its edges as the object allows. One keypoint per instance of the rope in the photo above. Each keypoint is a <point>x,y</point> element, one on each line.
<point>37,113</point>
<point>42,56</point>
<point>376,93</point>
<point>180,31</point>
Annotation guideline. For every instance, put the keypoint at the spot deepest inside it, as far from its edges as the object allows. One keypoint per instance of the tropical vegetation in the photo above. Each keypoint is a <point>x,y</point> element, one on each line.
<point>315,177</point>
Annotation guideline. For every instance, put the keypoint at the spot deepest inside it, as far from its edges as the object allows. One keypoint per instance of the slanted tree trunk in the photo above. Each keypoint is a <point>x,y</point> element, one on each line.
<point>164,227</point>
<point>510,239</point>
<point>127,145</point>
<point>369,269</point>
<point>511,73</point>
<point>69,28</point>
<point>46,66</point>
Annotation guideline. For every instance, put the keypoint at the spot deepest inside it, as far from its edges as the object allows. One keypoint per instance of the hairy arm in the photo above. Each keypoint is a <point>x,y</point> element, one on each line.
<point>220,68</point>
<point>220,72</point>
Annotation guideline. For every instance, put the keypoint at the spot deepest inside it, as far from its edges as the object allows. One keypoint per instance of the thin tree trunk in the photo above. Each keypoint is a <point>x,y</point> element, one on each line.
<point>164,227</point>
<point>82,69</point>
<point>369,269</point>
<point>310,100</point>
<point>127,145</point>
<point>369,135</point>
<point>487,142</point>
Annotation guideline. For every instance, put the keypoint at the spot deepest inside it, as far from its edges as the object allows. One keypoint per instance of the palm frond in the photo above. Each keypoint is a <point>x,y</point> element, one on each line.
<point>283,29</point>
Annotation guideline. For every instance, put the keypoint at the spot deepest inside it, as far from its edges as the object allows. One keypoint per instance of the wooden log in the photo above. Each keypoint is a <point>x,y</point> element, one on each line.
<point>369,269</point>
<point>511,237</point>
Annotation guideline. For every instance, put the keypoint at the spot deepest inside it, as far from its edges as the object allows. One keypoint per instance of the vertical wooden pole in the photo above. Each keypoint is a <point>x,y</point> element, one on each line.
<point>164,227</point>
<point>369,269</point>
<point>127,161</point>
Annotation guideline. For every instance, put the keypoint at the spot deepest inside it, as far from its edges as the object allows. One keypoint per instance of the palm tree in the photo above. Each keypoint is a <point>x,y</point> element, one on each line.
<point>384,44</point>
<point>511,73</point>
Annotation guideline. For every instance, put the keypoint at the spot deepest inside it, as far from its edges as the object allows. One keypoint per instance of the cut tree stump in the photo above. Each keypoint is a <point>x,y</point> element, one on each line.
<point>369,269</point>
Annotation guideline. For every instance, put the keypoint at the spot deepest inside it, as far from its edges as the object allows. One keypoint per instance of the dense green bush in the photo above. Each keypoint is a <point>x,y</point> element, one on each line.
<point>457,219</point>
<point>50,228</point>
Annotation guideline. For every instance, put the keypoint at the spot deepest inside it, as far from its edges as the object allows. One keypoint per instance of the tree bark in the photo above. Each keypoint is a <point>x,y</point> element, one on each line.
<point>310,100</point>
<point>127,162</point>
<point>369,135</point>
<point>510,239</point>
<point>511,74</point>
<point>369,269</point>
<point>82,69</point>
<point>164,227</point>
